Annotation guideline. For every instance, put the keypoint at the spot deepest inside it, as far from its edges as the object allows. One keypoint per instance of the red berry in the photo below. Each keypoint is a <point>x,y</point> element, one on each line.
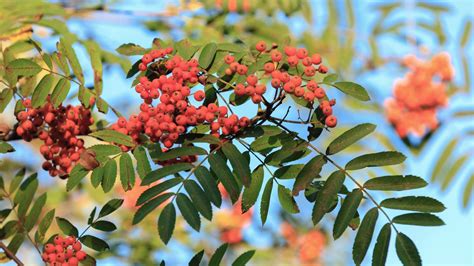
<point>316,59</point>
<point>289,50</point>
<point>276,56</point>
<point>269,67</point>
<point>331,121</point>
<point>301,53</point>
<point>77,246</point>
<point>229,59</point>
<point>73,261</point>
<point>81,255</point>
<point>261,46</point>
<point>49,248</point>
<point>199,95</point>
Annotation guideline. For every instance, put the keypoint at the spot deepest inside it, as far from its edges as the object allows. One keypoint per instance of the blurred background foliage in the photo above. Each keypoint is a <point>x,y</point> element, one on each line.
<point>354,49</point>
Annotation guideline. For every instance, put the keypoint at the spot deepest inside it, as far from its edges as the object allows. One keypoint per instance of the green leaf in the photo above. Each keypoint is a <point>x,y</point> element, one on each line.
<point>23,67</point>
<point>379,256</point>
<point>5,97</point>
<point>468,189</point>
<point>219,167</point>
<point>467,32</point>
<point>5,147</point>
<point>207,55</point>
<point>266,143</point>
<point>288,171</point>
<point>113,136</point>
<point>376,159</point>
<point>189,212</point>
<point>330,78</point>
<point>395,183</point>
<point>208,183</point>
<point>238,162</point>
<point>92,216</point>
<point>157,189</point>
<point>453,170</point>
<point>244,258</point>
<point>406,250</point>
<point>196,259</point>
<point>42,90</point>
<point>111,206</point>
<point>4,214</point>
<point>66,227</point>
<point>291,151</point>
<point>309,172</point>
<point>364,236</point>
<point>65,46</point>
<point>95,55</point>
<point>444,157</point>
<point>185,49</point>
<point>349,137</point>
<point>199,198</point>
<point>412,203</point>
<point>216,258</point>
<point>325,197</point>
<point>94,243</point>
<point>75,177</point>
<point>16,181</point>
<point>61,61</point>
<point>60,92</point>
<point>25,195</point>
<point>35,212</point>
<point>347,212</point>
<point>250,195</point>
<point>287,201</point>
<point>421,219</point>
<point>110,174</point>
<point>166,223</point>
<point>265,201</point>
<point>16,242</point>
<point>127,175</point>
<point>105,150</point>
<point>165,171</point>
<point>97,176</point>
<point>46,222</point>
<point>143,164</point>
<point>178,152</point>
<point>353,89</point>
<point>105,226</point>
<point>149,206</point>
<point>130,49</point>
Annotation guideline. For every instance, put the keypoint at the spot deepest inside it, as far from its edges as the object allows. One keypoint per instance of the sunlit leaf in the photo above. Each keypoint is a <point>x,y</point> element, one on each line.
<point>412,203</point>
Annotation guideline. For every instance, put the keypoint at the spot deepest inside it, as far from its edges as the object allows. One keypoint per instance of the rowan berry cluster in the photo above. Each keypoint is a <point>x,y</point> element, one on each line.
<point>231,221</point>
<point>298,85</point>
<point>66,251</point>
<point>310,245</point>
<point>418,96</point>
<point>165,121</point>
<point>174,78</point>
<point>58,128</point>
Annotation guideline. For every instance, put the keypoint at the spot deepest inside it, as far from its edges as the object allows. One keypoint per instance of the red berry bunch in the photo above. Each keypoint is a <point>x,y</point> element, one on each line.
<point>299,85</point>
<point>58,127</point>
<point>66,251</point>
<point>165,121</point>
<point>419,94</point>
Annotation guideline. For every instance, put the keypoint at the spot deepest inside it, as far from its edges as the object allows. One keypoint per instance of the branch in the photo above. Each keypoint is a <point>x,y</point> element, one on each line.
<point>10,254</point>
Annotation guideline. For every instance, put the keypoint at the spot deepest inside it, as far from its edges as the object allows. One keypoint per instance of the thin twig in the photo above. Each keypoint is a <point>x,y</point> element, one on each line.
<point>10,254</point>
